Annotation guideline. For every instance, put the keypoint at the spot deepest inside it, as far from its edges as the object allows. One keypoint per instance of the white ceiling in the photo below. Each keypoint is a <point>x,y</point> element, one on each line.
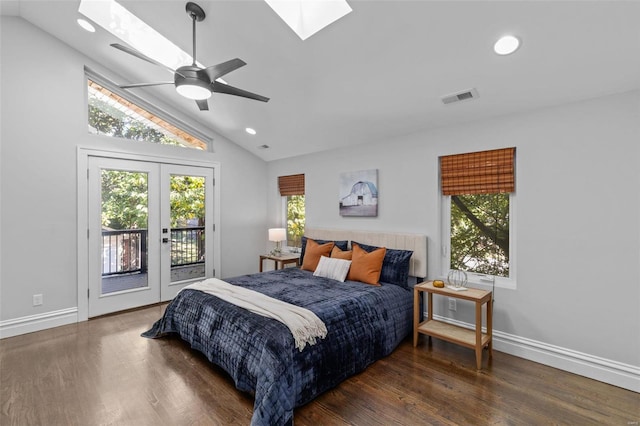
<point>378,72</point>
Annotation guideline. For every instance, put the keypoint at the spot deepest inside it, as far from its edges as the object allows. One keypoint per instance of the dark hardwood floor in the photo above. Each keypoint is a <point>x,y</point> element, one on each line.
<point>101,372</point>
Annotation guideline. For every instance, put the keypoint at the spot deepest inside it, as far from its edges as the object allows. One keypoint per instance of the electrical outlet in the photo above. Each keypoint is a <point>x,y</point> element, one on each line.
<point>452,304</point>
<point>37,300</point>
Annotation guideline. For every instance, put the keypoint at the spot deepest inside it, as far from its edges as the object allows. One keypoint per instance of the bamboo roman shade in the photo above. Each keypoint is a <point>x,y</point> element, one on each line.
<point>291,185</point>
<point>483,172</point>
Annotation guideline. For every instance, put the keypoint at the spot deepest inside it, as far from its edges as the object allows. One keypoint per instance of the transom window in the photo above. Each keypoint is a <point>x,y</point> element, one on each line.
<point>112,115</point>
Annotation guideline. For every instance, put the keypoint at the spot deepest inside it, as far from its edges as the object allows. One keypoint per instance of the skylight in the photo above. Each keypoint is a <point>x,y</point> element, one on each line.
<point>307,17</point>
<point>117,20</point>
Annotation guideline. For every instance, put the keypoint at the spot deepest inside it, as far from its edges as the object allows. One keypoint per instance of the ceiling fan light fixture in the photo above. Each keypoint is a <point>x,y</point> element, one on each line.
<point>192,91</point>
<point>191,83</point>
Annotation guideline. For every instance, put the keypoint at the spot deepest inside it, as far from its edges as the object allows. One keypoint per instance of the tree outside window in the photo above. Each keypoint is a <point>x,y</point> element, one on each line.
<point>295,220</point>
<point>480,233</point>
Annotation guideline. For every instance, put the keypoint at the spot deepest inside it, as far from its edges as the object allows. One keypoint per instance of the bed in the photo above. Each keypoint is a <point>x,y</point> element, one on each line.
<point>363,322</point>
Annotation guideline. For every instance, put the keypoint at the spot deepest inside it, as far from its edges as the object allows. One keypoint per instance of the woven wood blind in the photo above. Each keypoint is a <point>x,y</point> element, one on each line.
<point>483,172</point>
<point>291,185</point>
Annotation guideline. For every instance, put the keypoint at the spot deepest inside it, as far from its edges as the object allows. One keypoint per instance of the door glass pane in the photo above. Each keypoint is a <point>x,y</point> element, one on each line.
<point>125,203</point>
<point>187,200</point>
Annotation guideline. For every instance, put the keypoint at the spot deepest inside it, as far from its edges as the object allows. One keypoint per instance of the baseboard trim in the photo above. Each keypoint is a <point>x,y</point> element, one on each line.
<point>604,370</point>
<point>32,323</point>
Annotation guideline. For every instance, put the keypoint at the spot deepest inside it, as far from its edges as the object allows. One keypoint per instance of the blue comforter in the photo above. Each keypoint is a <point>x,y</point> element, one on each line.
<point>364,323</point>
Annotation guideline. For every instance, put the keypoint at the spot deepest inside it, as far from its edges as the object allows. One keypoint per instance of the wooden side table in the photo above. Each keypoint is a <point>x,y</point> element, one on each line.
<point>474,339</point>
<point>281,260</point>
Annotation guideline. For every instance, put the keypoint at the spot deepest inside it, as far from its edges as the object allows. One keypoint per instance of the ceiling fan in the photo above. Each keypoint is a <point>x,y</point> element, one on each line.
<point>192,81</point>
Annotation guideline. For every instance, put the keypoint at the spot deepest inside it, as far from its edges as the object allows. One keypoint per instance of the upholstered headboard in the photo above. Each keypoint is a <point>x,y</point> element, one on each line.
<point>415,242</point>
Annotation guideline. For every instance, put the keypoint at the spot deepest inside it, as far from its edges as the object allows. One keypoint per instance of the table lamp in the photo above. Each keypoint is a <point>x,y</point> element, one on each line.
<point>277,235</point>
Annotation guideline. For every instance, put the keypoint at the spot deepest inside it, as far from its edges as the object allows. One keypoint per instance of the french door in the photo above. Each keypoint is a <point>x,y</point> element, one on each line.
<point>150,231</point>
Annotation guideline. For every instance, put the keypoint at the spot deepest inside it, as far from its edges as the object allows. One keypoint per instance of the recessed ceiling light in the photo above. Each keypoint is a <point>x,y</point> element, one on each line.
<point>506,45</point>
<point>86,25</point>
<point>250,131</point>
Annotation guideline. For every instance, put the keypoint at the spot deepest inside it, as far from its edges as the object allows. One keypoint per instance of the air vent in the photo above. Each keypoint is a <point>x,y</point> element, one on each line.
<point>460,96</point>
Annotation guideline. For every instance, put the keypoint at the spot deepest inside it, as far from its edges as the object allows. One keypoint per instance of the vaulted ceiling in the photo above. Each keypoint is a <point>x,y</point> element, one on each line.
<point>380,71</point>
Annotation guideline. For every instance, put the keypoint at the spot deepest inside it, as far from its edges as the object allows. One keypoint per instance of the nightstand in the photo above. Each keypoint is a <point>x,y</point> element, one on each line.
<point>281,260</point>
<point>474,339</point>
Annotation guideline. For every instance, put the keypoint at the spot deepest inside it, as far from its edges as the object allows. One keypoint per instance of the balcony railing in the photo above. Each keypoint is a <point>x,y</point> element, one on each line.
<point>125,251</point>
<point>187,246</point>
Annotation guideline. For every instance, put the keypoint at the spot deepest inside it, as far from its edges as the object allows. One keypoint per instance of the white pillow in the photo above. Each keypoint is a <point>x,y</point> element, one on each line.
<point>336,269</point>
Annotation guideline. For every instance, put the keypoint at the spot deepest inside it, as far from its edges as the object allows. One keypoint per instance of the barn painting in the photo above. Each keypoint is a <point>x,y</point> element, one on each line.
<point>359,193</point>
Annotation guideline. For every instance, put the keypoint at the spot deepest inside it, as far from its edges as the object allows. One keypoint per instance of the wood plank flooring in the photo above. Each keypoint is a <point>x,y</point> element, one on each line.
<point>101,372</point>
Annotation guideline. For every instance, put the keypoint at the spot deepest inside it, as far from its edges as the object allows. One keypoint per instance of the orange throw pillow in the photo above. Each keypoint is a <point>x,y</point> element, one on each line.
<point>341,254</point>
<point>366,267</point>
<point>313,252</point>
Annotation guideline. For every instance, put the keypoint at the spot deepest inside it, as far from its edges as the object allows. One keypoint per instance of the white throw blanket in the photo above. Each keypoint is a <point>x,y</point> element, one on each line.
<point>305,326</point>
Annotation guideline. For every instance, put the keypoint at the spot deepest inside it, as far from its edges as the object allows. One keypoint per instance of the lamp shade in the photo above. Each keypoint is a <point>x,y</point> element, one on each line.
<point>277,234</point>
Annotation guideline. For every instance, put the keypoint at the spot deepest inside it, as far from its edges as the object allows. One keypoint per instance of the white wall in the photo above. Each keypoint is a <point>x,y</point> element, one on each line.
<point>577,221</point>
<point>43,121</point>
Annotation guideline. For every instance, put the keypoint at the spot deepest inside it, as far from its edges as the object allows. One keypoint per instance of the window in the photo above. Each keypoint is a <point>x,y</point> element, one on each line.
<point>478,196</point>
<point>295,220</point>
<point>112,115</point>
<point>479,232</point>
<point>292,191</point>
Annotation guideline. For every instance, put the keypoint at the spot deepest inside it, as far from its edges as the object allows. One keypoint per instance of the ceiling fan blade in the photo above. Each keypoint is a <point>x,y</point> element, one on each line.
<point>218,87</point>
<point>134,52</point>
<point>132,86</point>
<point>217,71</point>
<point>203,104</point>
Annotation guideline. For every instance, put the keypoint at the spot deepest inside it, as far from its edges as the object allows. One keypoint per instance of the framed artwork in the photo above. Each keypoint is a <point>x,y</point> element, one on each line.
<point>358,194</point>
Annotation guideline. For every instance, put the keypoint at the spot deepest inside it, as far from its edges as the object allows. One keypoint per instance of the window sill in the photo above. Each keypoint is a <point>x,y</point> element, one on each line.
<point>505,283</point>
